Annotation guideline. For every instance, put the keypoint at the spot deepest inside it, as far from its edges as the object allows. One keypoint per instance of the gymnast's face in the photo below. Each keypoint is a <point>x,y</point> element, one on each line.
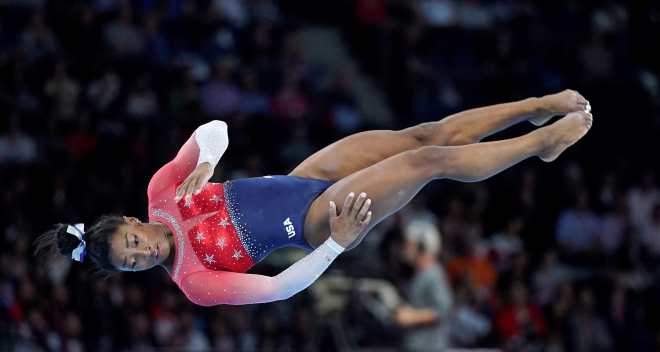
<point>136,246</point>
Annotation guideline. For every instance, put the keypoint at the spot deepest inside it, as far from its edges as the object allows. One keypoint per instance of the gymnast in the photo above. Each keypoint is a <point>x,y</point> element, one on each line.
<point>206,235</point>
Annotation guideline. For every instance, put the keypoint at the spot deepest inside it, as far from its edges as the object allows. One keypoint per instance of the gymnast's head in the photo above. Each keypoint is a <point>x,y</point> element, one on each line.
<point>113,243</point>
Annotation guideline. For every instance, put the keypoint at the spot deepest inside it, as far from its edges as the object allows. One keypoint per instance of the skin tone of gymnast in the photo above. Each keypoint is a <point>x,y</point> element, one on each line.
<point>392,166</point>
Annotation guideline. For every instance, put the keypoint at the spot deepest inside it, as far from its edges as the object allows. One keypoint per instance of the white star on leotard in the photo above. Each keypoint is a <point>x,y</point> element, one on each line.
<point>188,202</point>
<point>220,242</point>
<point>237,254</point>
<point>215,199</point>
<point>200,236</point>
<point>223,223</point>
<point>209,258</point>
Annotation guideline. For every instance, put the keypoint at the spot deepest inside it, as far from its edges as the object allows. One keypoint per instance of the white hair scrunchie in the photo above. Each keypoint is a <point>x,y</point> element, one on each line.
<point>78,230</point>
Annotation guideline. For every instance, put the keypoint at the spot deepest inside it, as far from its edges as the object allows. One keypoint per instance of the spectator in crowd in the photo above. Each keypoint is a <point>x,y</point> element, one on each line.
<point>157,47</point>
<point>548,278</point>
<point>457,226</point>
<point>577,227</point>
<point>221,97</point>
<point>234,11</point>
<point>344,113</point>
<point>63,91</point>
<point>38,40</point>
<point>104,91</point>
<point>507,243</point>
<point>254,102</point>
<point>650,233</point>
<point>16,146</point>
<point>470,324</point>
<point>520,322</point>
<point>614,225</point>
<point>141,103</point>
<point>427,314</point>
<point>290,103</point>
<point>641,199</point>
<point>123,36</point>
<point>589,331</point>
<point>474,265</point>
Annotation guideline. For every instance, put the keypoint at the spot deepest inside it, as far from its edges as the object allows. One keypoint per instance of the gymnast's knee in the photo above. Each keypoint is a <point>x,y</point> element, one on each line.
<point>461,139</point>
<point>454,136</point>
<point>437,133</point>
<point>432,161</point>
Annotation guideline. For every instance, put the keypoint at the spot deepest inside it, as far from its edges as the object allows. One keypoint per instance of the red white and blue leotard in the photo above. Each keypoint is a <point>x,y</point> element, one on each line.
<point>223,231</point>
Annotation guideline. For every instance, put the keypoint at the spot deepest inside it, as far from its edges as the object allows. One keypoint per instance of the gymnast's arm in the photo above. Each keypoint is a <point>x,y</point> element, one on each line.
<point>212,141</point>
<point>208,288</point>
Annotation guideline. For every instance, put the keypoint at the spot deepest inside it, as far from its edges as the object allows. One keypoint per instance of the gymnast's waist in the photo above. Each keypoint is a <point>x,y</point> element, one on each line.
<point>269,212</point>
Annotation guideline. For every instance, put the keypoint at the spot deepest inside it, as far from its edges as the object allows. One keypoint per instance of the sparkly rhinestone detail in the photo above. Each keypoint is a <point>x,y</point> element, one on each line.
<point>253,248</point>
<point>209,258</point>
<point>221,242</point>
<point>179,237</point>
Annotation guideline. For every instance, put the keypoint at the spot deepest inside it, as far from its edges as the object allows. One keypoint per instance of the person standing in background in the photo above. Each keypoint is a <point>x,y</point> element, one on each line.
<point>425,318</point>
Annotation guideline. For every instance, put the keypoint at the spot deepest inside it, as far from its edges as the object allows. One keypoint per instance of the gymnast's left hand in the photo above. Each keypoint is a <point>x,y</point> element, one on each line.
<point>194,183</point>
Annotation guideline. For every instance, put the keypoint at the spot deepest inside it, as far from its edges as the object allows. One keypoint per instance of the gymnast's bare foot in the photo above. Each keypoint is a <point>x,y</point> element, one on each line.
<point>560,103</point>
<point>563,133</point>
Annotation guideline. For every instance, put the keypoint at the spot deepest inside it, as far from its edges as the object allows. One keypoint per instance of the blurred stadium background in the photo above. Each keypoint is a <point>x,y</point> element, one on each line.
<point>96,95</point>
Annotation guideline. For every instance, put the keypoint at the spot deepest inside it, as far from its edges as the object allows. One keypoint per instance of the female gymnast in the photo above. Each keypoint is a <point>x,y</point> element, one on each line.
<point>207,235</point>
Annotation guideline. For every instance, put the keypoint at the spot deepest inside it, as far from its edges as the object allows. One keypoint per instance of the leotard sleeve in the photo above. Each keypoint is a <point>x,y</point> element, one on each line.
<point>209,288</point>
<point>213,140</point>
<point>207,144</point>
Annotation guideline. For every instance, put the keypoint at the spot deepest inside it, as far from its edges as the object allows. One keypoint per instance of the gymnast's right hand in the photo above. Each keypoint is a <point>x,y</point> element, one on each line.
<point>353,219</point>
<point>194,183</point>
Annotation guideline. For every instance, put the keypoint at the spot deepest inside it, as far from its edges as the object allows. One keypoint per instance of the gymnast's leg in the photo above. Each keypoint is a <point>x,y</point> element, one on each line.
<point>392,183</point>
<point>363,149</point>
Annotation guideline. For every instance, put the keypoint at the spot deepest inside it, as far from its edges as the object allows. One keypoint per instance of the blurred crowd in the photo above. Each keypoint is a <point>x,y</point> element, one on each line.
<point>97,95</point>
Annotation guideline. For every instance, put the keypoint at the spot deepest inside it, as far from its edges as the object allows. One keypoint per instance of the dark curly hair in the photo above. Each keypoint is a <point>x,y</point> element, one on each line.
<point>97,239</point>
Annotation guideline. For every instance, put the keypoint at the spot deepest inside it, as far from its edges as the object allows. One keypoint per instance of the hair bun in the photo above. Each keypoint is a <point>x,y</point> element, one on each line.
<point>66,242</point>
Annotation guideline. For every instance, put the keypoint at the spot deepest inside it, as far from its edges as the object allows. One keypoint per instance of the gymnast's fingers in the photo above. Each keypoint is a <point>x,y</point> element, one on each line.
<point>332,210</point>
<point>189,189</point>
<point>197,186</point>
<point>366,220</point>
<point>180,190</point>
<point>184,191</point>
<point>200,186</point>
<point>347,204</point>
<point>358,204</point>
<point>364,209</point>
